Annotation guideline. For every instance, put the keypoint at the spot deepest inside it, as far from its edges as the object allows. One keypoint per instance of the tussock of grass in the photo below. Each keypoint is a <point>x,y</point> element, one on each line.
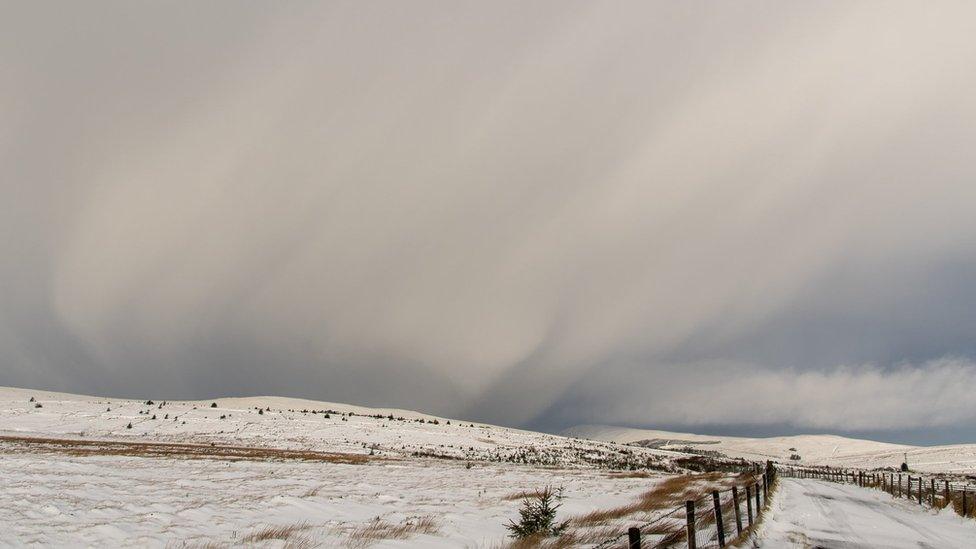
<point>522,494</point>
<point>379,529</point>
<point>282,532</point>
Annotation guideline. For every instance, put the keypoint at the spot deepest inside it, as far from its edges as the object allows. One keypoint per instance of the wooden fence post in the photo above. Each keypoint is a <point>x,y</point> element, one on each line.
<point>932,494</point>
<point>766,487</point>
<point>690,518</point>
<point>899,484</point>
<point>758,505</point>
<point>633,538</point>
<point>738,513</point>
<point>920,483</point>
<point>719,523</point>
<point>963,501</point>
<point>749,504</point>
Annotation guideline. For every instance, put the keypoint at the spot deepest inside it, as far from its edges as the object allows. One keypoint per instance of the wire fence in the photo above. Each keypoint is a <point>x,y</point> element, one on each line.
<point>717,519</point>
<point>936,492</point>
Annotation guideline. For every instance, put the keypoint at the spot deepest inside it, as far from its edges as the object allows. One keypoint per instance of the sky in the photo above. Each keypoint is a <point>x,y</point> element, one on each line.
<point>748,217</point>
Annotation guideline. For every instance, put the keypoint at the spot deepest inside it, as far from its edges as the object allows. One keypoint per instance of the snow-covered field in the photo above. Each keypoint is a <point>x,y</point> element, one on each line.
<point>58,500</point>
<point>835,451</point>
<point>811,513</point>
<point>75,474</point>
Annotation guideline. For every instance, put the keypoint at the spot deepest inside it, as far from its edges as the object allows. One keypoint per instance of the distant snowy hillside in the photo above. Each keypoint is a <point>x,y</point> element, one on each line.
<point>812,449</point>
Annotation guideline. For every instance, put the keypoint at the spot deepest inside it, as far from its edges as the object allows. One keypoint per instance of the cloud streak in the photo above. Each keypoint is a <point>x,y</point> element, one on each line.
<point>845,398</point>
<point>478,211</point>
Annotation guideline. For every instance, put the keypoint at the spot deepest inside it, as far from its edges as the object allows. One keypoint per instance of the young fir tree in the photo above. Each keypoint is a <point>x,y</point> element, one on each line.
<point>538,516</point>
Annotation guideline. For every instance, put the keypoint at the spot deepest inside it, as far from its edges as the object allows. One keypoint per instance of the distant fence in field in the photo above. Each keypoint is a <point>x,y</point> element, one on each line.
<point>936,492</point>
<point>713,520</point>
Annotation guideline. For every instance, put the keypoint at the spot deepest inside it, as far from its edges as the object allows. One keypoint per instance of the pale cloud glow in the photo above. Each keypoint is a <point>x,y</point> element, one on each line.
<point>845,398</point>
<point>493,210</point>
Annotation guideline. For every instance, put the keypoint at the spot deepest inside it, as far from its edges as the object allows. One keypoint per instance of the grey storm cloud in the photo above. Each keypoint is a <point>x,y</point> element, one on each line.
<point>531,213</point>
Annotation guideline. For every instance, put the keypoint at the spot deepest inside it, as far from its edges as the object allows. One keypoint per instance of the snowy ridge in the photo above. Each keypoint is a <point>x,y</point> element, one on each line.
<point>832,450</point>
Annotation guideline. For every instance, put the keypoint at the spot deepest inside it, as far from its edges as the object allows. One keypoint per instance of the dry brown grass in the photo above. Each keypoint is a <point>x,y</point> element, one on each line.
<point>173,450</point>
<point>669,493</point>
<point>196,545</point>
<point>522,494</point>
<point>280,532</point>
<point>379,529</point>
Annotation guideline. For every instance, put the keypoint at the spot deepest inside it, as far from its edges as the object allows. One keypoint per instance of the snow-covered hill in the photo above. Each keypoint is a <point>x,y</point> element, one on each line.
<point>276,422</point>
<point>830,450</point>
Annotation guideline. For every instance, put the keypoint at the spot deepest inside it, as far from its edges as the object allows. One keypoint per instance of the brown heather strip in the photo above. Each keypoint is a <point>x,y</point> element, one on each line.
<point>75,447</point>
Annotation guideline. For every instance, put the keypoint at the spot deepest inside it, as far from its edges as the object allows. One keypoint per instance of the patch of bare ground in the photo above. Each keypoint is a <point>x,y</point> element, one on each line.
<point>379,529</point>
<point>76,447</point>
